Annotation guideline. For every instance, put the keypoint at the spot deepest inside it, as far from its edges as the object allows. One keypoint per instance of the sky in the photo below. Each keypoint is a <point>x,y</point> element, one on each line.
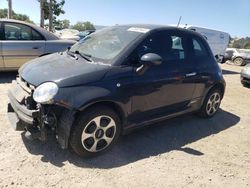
<point>232,16</point>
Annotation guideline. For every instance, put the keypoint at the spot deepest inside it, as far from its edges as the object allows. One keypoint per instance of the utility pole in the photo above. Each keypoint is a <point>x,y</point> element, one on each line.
<point>50,15</point>
<point>42,13</point>
<point>10,9</point>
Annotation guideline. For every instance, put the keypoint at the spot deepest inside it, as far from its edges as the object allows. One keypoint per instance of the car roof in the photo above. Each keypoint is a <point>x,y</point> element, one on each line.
<point>153,27</point>
<point>48,35</point>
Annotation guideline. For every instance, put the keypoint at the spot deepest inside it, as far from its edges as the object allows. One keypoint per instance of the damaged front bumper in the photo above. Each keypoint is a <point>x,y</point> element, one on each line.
<point>19,114</point>
<point>36,119</point>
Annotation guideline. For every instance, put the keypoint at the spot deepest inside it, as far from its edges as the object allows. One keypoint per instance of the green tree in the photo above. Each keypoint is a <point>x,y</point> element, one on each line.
<point>4,13</point>
<point>62,24</point>
<point>247,45</point>
<point>22,17</point>
<point>56,10</point>
<point>241,43</point>
<point>82,26</point>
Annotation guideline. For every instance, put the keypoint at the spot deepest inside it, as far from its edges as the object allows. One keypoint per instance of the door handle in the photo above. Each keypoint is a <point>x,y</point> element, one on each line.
<point>36,47</point>
<point>191,74</point>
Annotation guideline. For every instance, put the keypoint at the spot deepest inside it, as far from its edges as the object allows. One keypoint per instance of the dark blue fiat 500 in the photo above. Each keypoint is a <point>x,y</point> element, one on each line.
<point>116,79</point>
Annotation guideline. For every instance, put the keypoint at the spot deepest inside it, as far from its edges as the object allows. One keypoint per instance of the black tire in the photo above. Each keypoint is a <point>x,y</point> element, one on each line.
<point>245,84</point>
<point>204,112</point>
<point>85,125</point>
<point>239,61</point>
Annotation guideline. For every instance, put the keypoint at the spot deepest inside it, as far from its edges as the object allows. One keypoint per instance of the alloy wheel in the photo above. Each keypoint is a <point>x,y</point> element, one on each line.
<point>238,61</point>
<point>213,104</point>
<point>98,133</point>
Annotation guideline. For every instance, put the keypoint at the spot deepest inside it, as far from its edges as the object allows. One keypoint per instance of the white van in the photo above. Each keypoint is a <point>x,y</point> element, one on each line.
<point>217,40</point>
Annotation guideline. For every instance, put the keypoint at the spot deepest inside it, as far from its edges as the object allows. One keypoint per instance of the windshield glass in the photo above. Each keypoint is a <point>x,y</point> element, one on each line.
<point>107,43</point>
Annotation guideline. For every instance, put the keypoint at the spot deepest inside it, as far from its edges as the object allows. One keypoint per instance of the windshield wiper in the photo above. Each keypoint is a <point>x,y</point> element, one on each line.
<point>72,54</point>
<point>84,55</point>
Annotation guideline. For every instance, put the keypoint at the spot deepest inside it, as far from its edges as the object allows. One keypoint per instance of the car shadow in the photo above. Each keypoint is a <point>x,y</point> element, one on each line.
<point>7,77</point>
<point>173,134</point>
<point>224,72</point>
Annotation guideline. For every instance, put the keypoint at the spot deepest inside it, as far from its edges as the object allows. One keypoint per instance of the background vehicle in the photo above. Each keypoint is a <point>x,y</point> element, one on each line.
<point>117,79</point>
<point>239,57</point>
<point>83,34</point>
<point>245,75</point>
<point>73,34</point>
<point>68,34</point>
<point>21,42</point>
<point>217,40</point>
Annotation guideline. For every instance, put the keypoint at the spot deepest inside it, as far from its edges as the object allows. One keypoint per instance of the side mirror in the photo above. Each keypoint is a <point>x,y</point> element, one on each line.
<point>147,61</point>
<point>151,59</point>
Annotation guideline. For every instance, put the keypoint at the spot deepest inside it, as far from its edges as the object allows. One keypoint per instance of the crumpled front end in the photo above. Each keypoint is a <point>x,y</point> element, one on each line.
<point>34,118</point>
<point>22,109</point>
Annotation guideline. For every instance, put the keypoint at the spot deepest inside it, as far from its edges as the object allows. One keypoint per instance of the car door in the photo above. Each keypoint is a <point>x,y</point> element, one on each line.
<point>205,66</point>
<point>1,53</point>
<point>167,88</point>
<point>21,43</point>
<point>229,54</point>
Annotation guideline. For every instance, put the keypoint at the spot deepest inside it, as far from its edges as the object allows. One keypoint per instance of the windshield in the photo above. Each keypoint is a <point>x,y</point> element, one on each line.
<point>107,43</point>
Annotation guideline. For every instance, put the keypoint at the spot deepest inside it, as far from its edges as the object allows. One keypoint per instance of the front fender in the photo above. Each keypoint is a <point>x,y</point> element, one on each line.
<point>79,98</point>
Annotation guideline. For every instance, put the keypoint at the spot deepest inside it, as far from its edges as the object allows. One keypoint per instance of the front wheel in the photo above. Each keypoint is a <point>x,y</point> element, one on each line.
<point>95,131</point>
<point>239,61</point>
<point>211,104</point>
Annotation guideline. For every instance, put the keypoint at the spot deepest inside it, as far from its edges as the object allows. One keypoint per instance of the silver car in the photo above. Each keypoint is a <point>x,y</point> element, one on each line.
<point>21,42</point>
<point>239,57</point>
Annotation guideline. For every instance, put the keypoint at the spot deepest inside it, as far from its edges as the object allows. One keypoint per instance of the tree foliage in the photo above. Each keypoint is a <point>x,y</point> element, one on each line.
<point>62,24</point>
<point>56,9</point>
<point>22,17</point>
<point>242,43</point>
<point>82,26</point>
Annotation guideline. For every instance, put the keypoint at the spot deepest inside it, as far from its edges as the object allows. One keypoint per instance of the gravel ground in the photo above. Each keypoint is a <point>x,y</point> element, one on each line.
<point>181,152</point>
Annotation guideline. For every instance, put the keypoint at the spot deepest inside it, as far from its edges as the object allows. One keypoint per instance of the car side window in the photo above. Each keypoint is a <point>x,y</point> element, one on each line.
<point>199,49</point>
<point>178,47</point>
<point>230,52</point>
<point>1,31</point>
<point>15,31</point>
<point>36,35</point>
<point>170,47</point>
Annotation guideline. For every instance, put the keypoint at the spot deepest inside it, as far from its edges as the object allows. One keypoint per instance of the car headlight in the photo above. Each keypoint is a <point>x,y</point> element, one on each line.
<point>45,93</point>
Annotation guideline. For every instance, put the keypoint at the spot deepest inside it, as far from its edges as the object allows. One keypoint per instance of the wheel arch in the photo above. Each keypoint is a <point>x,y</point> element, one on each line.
<point>109,104</point>
<point>69,117</point>
<point>219,86</point>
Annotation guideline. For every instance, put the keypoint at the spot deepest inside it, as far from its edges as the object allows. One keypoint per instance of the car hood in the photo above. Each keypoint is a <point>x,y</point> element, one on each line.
<point>63,70</point>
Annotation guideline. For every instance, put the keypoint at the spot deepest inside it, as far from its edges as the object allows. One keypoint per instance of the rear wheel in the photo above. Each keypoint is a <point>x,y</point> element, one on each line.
<point>239,61</point>
<point>245,84</point>
<point>95,131</point>
<point>211,104</point>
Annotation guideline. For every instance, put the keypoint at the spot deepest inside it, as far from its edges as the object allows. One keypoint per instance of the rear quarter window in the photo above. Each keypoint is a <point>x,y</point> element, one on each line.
<point>199,49</point>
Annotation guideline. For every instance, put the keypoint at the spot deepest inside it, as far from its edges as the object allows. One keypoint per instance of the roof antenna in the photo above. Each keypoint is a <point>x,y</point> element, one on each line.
<point>179,21</point>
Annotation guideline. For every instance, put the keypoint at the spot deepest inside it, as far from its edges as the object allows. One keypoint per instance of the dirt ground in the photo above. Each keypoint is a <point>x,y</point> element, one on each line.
<point>181,152</point>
